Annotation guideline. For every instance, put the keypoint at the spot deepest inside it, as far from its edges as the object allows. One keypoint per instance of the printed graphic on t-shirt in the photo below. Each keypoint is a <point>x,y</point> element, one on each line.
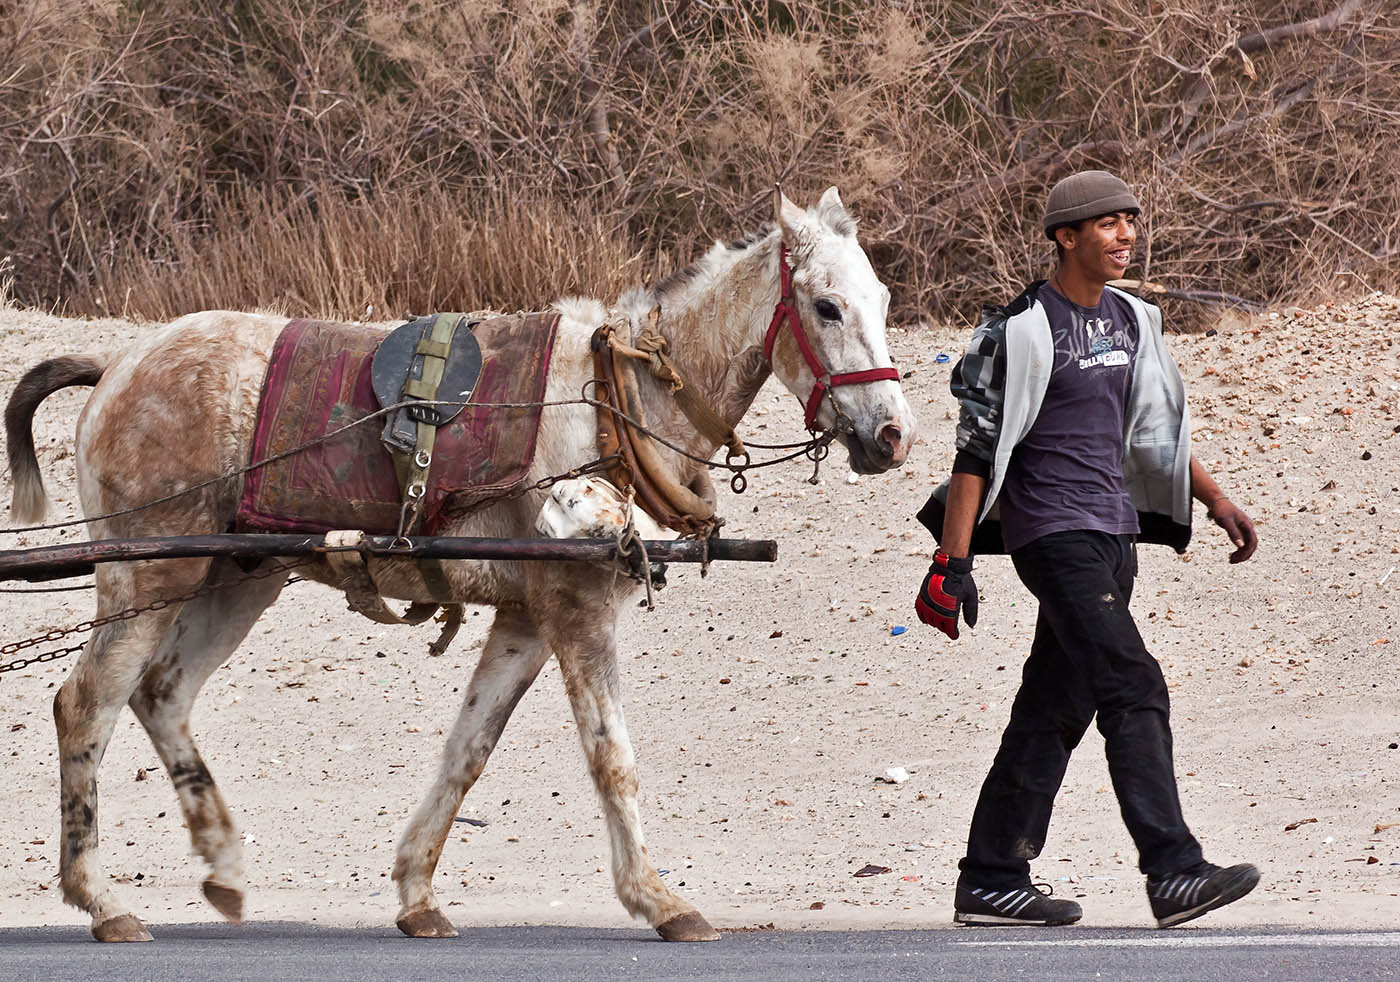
<point>1094,341</point>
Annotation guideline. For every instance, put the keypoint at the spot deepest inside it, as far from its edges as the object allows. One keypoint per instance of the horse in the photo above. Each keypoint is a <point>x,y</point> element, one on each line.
<point>177,409</point>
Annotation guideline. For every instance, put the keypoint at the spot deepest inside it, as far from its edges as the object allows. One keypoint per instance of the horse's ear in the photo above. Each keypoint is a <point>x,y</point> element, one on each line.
<point>833,213</point>
<point>792,220</point>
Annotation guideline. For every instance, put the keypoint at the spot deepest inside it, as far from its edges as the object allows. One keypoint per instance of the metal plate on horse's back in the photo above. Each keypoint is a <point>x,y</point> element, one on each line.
<point>397,360</point>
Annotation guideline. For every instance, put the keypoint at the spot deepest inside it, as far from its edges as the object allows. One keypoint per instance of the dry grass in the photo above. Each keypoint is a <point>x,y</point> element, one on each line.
<point>384,257</point>
<point>323,157</point>
<point>7,282</point>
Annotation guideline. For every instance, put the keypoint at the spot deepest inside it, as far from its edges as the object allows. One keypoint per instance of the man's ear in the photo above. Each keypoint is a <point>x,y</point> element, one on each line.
<point>1066,235</point>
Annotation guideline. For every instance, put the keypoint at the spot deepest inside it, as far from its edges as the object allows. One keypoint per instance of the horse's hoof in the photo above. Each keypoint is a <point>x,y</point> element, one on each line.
<point>124,927</point>
<point>689,926</point>
<point>426,924</point>
<point>226,900</point>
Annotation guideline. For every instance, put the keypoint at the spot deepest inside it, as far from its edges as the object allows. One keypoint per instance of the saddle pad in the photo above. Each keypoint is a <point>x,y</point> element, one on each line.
<point>319,381</point>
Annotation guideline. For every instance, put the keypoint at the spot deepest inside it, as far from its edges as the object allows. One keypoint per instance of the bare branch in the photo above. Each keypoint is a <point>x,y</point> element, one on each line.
<point>645,36</point>
<point>1291,32</point>
<point>1280,107</point>
<point>593,96</point>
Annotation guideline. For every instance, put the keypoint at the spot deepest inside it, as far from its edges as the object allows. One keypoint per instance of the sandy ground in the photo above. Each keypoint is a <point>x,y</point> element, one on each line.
<point>766,702</point>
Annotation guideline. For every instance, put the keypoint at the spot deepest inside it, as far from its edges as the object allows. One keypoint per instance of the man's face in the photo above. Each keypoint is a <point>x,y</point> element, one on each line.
<point>1100,248</point>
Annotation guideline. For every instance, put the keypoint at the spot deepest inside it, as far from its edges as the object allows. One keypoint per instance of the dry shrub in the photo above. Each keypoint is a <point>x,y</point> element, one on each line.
<point>381,257</point>
<point>322,156</point>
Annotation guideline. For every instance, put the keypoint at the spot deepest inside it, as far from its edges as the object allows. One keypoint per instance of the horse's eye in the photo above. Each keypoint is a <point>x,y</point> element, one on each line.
<point>827,310</point>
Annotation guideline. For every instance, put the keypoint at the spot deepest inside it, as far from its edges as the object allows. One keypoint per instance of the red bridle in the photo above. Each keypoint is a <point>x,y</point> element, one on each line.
<point>786,311</point>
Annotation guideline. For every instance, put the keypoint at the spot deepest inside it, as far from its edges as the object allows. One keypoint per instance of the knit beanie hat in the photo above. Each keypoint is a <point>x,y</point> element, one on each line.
<point>1088,194</point>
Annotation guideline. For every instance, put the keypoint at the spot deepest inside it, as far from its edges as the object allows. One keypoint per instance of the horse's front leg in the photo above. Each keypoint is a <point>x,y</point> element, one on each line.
<point>510,662</point>
<point>585,645</point>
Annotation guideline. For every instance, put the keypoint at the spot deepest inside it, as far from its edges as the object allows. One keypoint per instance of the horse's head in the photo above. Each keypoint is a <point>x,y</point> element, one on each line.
<point>827,339</point>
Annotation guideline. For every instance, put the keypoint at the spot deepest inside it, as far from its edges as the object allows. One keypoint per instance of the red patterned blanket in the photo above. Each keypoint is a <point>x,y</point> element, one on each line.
<point>318,381</point>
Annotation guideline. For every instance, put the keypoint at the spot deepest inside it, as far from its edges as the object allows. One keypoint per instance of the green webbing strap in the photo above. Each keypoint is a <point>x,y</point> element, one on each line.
<point>413,467</point>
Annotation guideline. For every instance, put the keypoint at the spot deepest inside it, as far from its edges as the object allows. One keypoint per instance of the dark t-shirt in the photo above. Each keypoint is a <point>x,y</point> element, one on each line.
<point>1067,474</point>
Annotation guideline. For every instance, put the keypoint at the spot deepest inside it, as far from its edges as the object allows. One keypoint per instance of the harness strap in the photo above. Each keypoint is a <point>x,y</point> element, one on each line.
<point>786,310</point>
<point>821,387</point>
<point>640,467</point>
<point>363,596</point>
<point>412,468</point>
<point>434,347</point>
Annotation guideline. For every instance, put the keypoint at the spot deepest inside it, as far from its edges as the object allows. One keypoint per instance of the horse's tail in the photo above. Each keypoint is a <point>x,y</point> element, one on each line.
<point>30,501</point>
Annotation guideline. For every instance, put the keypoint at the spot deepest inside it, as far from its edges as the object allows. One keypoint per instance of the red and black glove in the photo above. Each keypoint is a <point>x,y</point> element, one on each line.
<point>947,587</point>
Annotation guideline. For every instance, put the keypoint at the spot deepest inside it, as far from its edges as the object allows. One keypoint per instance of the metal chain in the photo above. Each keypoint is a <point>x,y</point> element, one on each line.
<point>544,483</point>
<point>281,566</point>
<point>629,543</point>
<point>54,655</point>
<point>814,449</point>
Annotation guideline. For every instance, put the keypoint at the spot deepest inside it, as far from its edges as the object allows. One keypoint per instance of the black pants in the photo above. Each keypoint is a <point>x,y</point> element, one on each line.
<point>1087,658</point>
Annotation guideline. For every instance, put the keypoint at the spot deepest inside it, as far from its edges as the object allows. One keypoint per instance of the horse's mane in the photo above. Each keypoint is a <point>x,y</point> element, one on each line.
<point>831,214</point>
<point>674,283</point>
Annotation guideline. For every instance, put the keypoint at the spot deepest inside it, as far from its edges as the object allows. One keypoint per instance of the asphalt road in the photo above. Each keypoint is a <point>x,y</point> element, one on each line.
<point>275,952</point>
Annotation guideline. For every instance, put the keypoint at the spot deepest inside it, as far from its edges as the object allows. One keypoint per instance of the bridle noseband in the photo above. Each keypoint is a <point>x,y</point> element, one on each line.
<point>786,312</point>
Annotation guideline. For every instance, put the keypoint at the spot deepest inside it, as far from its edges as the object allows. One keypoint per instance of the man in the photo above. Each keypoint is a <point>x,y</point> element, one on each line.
<point>1072,445</point>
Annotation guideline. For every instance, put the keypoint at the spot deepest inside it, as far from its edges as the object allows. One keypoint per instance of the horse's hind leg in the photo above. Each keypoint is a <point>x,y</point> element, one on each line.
<point>510,662</point>
<point>207,631</point>
<point>588,658</point>
<point>85,712</point>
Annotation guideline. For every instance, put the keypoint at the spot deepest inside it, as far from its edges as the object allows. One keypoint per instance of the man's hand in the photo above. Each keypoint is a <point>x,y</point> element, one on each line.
<point>947,587</point>
<point>1237,526</point>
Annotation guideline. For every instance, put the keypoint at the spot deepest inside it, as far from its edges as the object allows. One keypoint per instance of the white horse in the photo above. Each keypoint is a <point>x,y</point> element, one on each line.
<point>178,408</point>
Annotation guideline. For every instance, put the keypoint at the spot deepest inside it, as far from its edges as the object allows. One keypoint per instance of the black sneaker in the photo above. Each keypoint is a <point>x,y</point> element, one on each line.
<point>1020,905</point>
<point>1184,896</point>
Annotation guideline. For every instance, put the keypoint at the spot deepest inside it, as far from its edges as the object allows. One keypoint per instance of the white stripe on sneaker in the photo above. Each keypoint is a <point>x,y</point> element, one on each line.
<point>1021,903</point>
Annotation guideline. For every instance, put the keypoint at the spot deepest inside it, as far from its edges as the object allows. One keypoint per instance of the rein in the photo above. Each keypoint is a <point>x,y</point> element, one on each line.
<point>823,381</point>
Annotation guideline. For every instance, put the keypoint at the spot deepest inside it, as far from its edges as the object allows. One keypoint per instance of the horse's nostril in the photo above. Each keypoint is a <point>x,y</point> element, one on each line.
<point>890,436</point>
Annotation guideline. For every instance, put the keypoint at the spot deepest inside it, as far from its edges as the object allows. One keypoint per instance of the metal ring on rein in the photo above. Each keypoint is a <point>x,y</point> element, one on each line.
<point>602,393</point>
<point>738,483</point>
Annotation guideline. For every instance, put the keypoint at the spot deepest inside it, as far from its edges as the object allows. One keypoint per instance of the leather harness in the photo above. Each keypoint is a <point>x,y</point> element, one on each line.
<point>638,467</point>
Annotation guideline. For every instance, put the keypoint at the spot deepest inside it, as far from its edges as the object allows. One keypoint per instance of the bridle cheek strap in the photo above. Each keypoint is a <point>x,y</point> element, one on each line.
<point>786,312</point>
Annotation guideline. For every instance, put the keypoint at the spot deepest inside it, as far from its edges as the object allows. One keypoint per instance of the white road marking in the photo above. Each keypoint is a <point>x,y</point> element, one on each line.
<point>1387,939</point>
